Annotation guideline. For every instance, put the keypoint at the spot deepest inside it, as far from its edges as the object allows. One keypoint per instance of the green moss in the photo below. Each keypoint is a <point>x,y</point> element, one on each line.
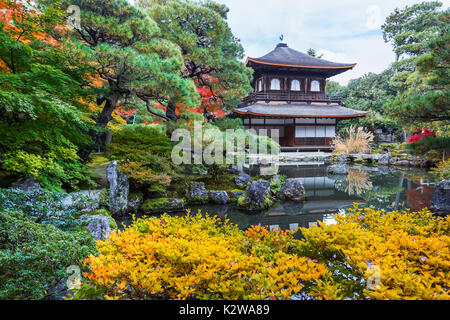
<point>103,212</point>
<point>112,223</point>
<point>199,199</point>
<point>241,201</point>
<point>97,166</point>
<point>221,182</point>
<point>243,204</point>
<point>155,205</point>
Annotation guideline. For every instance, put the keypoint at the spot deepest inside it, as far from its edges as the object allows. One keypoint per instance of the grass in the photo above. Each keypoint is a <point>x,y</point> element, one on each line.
<point>354,140</point>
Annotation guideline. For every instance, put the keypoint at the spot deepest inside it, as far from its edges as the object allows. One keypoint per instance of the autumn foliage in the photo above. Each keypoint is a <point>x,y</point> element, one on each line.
<point>202,257</point>
<point>197,257</point>
<point>410,250</point>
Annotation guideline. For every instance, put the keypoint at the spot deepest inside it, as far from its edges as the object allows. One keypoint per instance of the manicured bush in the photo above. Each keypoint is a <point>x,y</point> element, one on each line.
<point>144,153</point>
<point>34,257</point>
<point>443,169</point>
<point>41,206</point>
<point>196,257</point>
<point>429,143</point>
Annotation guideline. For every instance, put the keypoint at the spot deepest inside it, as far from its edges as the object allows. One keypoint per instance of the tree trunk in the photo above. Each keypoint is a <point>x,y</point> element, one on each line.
<point>99,137</point>
<point>171,111</point>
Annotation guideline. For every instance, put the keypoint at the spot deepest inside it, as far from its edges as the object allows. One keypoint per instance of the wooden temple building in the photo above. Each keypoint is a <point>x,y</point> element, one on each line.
<point>289,95</point>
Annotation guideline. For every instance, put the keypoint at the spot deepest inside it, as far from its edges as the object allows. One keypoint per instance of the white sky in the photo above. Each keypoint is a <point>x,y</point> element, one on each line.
<point>346,31</point>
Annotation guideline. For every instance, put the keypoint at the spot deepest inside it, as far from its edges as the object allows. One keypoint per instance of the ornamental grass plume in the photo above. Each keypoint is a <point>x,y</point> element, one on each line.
<point>354,140</point>
<point>358,181</point>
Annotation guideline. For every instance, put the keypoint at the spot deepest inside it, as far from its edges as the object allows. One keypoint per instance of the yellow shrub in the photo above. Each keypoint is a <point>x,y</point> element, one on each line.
<point>410,250</point>
<point>197,257</point>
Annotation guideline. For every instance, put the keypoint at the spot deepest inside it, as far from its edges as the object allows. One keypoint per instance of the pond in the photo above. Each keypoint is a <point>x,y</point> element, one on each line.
<point>383,188</point>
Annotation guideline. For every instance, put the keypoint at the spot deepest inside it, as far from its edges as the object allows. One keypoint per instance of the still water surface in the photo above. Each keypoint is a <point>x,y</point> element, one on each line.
<point>383,188</point>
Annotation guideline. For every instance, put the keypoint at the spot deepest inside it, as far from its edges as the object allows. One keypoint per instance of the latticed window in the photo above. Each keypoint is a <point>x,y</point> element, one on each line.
<point>315,86</point>
<point>275,84</point>
<point>295,85</point>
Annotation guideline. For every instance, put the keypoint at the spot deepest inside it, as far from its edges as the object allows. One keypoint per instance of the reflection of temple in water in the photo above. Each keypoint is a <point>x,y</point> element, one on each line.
<point>321,200</point>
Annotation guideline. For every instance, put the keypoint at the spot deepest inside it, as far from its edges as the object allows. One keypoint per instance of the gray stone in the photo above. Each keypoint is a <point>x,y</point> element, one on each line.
<point>258,195</point>
<point>237,194</point>
<point>135,200</point>
<point>293,190</point>
<point>198,191</point>
<point>339,169</point>
<point>383,160</point>
<point>98,226</point>
<point>26,184</point>
<point>402,163</point>
<point>440,203</point>
<point>85,200</point>
<point>118,189</point>
<point>327,161</point>
<point>174,204</point>
<point>242,180</point>
<point>218,197</point>
<point>392,161</point>
<point>342,159</point>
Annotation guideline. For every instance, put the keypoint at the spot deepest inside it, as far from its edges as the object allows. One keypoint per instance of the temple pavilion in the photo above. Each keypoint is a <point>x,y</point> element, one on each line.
<point>289,95</point>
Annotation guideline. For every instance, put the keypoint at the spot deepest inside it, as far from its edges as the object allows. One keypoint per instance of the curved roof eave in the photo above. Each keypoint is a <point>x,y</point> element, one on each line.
<point>302,116</point>
<point>350,66</point>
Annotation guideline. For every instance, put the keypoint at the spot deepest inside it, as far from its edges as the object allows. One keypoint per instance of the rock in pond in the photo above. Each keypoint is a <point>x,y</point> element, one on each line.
<point>257,196</point>
<point>440,203</point>
<point>293,190</point>
<point>26,184</point>
<point>198,192</point>
<point>158,205</point>
<point>339,169</point>
<point>175,204</point>
<point>218,197</point>
<point>383,160</point>
<point>242,180</point>
<point>118,189</point>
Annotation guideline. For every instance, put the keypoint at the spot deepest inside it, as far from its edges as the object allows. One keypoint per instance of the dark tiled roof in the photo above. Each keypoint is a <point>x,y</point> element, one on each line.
<point>282,55</point>
<point>300,110</point>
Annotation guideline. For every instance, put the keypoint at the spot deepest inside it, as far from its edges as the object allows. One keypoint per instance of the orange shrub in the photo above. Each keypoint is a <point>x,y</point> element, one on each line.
<point>195,257</point>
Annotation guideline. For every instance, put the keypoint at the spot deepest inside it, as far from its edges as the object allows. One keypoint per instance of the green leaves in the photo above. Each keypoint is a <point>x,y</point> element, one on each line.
<point>43,120</point>
<point>210,51</point>
<point>34,257</point>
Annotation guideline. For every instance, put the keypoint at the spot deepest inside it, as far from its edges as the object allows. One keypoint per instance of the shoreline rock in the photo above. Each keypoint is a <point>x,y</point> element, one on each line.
<point>118,189</point>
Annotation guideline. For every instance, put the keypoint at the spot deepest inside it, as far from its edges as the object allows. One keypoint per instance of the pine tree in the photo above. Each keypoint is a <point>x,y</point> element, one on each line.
<point>211,53</point>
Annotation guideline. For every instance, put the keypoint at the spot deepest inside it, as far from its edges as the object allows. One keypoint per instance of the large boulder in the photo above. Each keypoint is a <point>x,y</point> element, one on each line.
<point>384,158</point>
<point>197,192</point>
<point>218,197</point>
<point>118,189</point>
<point>292,189</point>
<point>440,203</point>
<point>99,226</point>
<point>242,180</point>
<point>257,196</point>
<point>26,184</point>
